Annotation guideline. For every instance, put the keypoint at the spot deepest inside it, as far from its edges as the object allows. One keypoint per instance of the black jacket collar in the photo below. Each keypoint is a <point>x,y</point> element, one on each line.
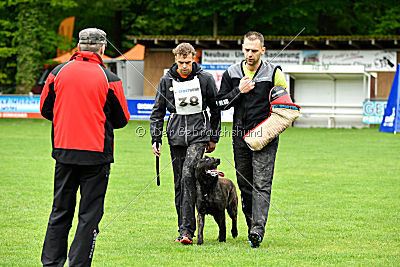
<point>173,72</point>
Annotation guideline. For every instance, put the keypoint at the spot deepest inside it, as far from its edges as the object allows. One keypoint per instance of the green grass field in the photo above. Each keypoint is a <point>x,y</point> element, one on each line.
<point>339,187</point>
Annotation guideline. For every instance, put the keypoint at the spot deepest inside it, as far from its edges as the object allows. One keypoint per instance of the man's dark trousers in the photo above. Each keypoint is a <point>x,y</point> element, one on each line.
<point>92,180</point>
<point>184,163</point>
<point>254,172</point>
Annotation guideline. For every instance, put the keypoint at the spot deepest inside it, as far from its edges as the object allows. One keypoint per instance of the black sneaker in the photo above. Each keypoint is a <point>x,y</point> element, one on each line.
<point>187,240</point>
<point>255,240</point>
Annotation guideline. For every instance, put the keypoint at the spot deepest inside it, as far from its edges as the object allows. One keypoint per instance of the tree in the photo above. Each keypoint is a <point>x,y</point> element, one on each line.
<point>34,37</point>
<point>7,50</point>
<point>115,17</point>
<point>28,36</point>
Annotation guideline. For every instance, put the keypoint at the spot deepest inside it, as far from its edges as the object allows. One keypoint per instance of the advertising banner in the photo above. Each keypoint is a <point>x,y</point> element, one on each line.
<point>216,71</point>
<point>372,60</point>
<point>373,111</point>
<point>140,109</point>
<point>391,118</point>
<point>19,107</point>
<point>229,57</point>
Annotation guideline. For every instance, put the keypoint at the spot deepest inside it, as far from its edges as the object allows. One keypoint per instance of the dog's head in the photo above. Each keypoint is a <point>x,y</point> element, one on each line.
<point>206,170</point>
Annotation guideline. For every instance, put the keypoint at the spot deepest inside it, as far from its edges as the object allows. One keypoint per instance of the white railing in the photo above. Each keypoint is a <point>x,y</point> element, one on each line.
<point>331,111</point>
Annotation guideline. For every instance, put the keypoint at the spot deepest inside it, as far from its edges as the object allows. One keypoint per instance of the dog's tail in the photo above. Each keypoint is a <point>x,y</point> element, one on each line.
<point>232,199</point>
<point>233,209</point>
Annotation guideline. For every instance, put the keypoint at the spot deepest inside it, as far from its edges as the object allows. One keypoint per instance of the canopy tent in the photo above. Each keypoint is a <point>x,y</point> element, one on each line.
<point>67,56</point>
<point>129,67</point>
<point>135,53</point>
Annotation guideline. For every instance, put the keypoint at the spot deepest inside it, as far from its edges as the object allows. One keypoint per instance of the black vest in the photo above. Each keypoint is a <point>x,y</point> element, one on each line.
<point>253,107</point>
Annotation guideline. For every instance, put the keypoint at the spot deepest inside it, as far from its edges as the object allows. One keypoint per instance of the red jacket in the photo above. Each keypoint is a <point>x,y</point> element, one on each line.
<point>85,101</point>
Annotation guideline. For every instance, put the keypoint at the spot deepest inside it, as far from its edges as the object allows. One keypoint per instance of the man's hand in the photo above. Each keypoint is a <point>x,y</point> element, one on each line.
<point>246,85</point>
<point>156,150</point>
<point>210,147</point>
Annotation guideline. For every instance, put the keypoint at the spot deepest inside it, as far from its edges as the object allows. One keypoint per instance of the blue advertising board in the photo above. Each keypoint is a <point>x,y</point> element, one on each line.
<point>19,104</point>
<point>19,107</point>
<point>214,67</point>
<point>140,109</point>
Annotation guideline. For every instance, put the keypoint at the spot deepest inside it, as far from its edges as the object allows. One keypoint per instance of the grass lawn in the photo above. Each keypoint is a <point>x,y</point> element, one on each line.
<point>339,187</point>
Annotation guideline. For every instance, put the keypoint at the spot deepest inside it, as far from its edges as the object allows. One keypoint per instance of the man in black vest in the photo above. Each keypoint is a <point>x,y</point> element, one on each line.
<point>246,87</point>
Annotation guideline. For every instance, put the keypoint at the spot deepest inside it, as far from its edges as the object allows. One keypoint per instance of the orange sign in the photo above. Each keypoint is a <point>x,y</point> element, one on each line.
<point>66,29</point>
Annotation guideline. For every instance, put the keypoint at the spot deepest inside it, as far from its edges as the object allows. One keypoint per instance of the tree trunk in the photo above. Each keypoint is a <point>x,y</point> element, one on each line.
<point>117,38</point>
<point>215,24</point>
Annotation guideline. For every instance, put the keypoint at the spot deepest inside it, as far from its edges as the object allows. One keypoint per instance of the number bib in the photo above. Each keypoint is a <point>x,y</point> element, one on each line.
<point>188,97</point>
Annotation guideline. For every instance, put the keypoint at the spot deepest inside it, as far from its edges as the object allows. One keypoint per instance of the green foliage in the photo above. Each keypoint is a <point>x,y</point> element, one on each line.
<point>189,17</point>
<point>389,21</point>
<point>338,187</point>
<point>28,37</point>
<point>7,50</point>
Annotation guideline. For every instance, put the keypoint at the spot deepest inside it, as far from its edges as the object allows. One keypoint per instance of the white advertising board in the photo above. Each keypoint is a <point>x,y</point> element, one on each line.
<point>229,57</point>
<point>372,60</point>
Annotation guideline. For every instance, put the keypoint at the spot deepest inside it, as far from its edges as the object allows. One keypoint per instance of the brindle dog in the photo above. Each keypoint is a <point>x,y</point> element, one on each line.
<point>214,195</point>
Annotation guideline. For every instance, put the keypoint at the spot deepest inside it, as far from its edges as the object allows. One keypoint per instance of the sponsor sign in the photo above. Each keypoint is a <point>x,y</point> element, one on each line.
<point>373,111</point>
<point>19,104</point>
<point>229,57</point>
<point>216,71</point>
<point>140,109</point>
<point>19,107</point>
<point>372,60</point>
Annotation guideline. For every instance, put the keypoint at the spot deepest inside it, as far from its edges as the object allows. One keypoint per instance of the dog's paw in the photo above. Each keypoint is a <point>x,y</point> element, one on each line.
<point>234,233</point>
<point>200,242</point>
<point>221,239</point>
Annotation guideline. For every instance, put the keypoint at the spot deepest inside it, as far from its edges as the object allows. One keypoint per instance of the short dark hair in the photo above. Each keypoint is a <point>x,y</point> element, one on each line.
<point>252,35</point>
<point>184,49</point>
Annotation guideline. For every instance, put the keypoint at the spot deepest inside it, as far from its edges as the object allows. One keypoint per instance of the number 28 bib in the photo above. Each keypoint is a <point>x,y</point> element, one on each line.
<point>188,98</point>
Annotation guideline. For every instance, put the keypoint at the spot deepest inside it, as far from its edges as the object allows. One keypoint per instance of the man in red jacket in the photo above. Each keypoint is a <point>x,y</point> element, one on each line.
<point>85,102</point>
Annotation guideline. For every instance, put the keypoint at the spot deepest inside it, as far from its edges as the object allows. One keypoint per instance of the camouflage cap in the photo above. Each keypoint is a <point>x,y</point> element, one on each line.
<point>92,36</point>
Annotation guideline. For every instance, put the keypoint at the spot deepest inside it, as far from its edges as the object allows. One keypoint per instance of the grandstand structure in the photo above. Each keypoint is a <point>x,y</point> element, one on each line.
<point>331,77</point>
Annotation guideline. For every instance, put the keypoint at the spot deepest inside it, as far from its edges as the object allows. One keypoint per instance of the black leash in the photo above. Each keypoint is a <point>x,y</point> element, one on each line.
<point>158,170</point>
